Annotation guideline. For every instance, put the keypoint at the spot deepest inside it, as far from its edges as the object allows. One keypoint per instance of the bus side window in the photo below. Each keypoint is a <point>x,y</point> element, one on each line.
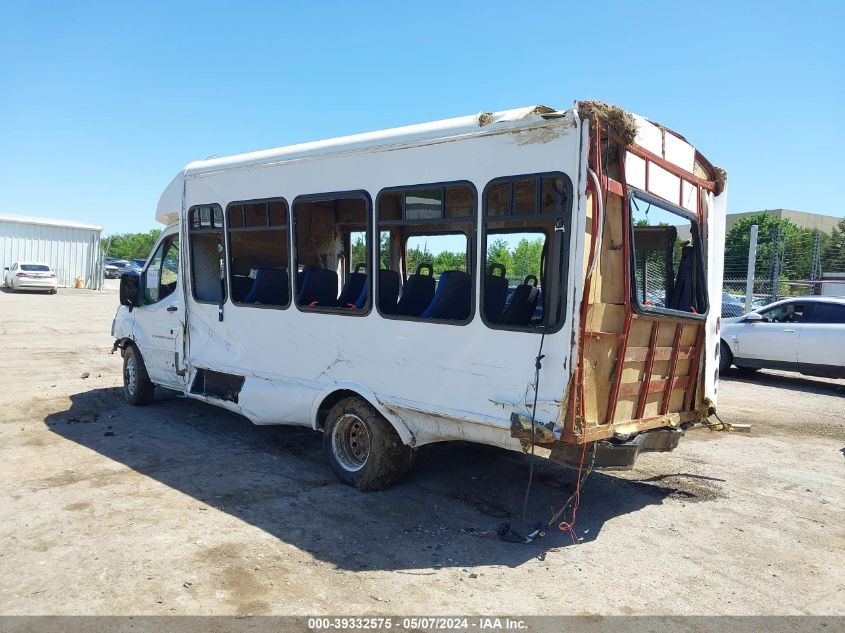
<point>525,239</point>
<point>258,253</point>
<point>425,252</point>
<point>331,236</point>
<point>205,230</point>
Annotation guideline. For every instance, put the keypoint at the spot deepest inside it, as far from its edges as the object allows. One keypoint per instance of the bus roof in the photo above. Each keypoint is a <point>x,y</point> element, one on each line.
<point>472,125</point>
<point>481,124</point>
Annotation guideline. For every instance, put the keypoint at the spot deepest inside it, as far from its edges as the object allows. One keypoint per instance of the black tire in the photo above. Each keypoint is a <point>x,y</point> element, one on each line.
<point>363,449</point>
<point>52,291</point>
<point>726,358</point>
<point>747,370</point>
<point>137,387</point>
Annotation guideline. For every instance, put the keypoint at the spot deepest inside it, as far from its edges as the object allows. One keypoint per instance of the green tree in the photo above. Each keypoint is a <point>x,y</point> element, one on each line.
<point>526,259</point>
<point>416,256</point>
<point>359,250</point>
<point>130,245</point>
<point>833,250</point>
<point>499,253</point>
<point>446,260</point>
<point>798,242</point>
<point>384,250</point>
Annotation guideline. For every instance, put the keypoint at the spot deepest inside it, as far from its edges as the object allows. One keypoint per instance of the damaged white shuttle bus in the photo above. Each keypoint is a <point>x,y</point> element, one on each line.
<point>535,279</point>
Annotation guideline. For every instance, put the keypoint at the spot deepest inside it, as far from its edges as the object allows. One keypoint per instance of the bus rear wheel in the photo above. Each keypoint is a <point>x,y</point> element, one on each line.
<point>363,449</point>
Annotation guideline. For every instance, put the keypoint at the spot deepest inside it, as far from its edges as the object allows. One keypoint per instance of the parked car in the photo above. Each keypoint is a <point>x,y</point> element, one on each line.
<point>114,268</point>
<point>756,302</point>
<point>31,276</point>
<point>804,334</point>
<point>140,263</point>
<point>731,306</point>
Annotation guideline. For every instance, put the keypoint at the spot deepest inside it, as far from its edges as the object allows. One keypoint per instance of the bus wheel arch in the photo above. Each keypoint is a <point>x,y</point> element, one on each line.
<point>362,447</point>
<point>337,392</point>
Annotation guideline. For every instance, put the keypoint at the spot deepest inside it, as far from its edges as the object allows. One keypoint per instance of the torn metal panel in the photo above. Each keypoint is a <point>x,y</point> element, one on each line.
<point>530,433</point>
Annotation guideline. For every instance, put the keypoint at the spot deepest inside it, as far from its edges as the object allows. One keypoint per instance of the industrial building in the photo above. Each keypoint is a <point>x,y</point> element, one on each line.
<point>802,219</point>
<point>71,248</point>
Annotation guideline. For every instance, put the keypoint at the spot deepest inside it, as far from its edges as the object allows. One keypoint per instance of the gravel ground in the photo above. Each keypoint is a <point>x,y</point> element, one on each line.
<point>182,508</point>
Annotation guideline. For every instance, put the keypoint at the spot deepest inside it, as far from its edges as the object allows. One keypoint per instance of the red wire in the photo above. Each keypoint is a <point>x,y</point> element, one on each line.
<point>569,526</point>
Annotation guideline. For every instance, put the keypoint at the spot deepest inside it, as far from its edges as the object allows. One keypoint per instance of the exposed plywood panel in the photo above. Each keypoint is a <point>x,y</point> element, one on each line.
<point>608,284</point>
<point>599,362</point>
<point>676,401</point>
<point>652,405</point>
<point>640,335</point>
<point>666,336</point>
<point>625,409</point>
<point>660,369</point>
<point>606,317</point>
<point>632,372</point>
<point>589,231</point>
<point>690,334</point>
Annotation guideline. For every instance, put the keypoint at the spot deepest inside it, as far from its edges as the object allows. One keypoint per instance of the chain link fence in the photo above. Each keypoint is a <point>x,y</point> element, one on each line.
<point>789,261</point>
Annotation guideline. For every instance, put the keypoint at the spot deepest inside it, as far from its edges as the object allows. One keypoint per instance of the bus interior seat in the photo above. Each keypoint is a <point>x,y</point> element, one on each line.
<point>495,293</point>
<point>417,293</point>
<point>318,287</point>
<point>453,298</point>
<point>684,293</point>
<point>523,303</point>
<point>352,288</point>
<point>389,284</point>
<point>241,281</point>
<point>270,287</point>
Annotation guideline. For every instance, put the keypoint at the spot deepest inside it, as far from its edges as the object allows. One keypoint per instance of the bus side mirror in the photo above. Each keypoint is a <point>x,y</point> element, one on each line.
<point>753,317</point>
<point>130,290</point>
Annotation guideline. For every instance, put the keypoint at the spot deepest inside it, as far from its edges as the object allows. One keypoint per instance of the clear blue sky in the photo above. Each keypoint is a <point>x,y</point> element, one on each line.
<point>102,103</point>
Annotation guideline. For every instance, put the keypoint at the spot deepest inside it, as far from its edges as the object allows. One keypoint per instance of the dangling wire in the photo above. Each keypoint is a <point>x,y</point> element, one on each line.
<point>538,365</point>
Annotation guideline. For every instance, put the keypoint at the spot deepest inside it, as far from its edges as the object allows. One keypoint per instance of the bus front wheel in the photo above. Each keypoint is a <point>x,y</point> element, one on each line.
<point>362,447</point>
<point>137,386</point>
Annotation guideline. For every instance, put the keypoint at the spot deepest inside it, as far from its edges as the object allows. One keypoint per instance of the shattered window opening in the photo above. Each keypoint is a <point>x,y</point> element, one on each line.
<point>332,250</point>
<point>525,239</point>
<point>425,252</point>
<point>205,232</point>
<point>258,253</point>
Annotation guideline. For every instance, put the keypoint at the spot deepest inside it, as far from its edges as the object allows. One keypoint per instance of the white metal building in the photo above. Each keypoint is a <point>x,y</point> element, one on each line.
<point>71,248</point>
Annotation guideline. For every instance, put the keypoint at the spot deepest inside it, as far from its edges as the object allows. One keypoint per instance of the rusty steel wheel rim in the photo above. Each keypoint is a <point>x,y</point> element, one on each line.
<point>351,442</point>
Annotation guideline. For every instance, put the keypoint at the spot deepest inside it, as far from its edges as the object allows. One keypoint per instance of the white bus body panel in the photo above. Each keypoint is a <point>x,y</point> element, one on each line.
<point>433,381</point>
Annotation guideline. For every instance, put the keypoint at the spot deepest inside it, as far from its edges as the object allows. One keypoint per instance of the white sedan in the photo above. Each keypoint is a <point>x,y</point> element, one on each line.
<point>31,276</point>
<point>804,334</point>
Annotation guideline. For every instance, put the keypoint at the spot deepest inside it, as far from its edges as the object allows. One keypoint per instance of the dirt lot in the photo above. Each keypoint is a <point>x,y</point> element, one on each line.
<point>183,508</point>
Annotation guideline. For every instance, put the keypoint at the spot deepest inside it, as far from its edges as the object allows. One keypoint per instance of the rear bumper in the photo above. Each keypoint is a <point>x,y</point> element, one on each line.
<point>620,455</point>
<point>36,284</point>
